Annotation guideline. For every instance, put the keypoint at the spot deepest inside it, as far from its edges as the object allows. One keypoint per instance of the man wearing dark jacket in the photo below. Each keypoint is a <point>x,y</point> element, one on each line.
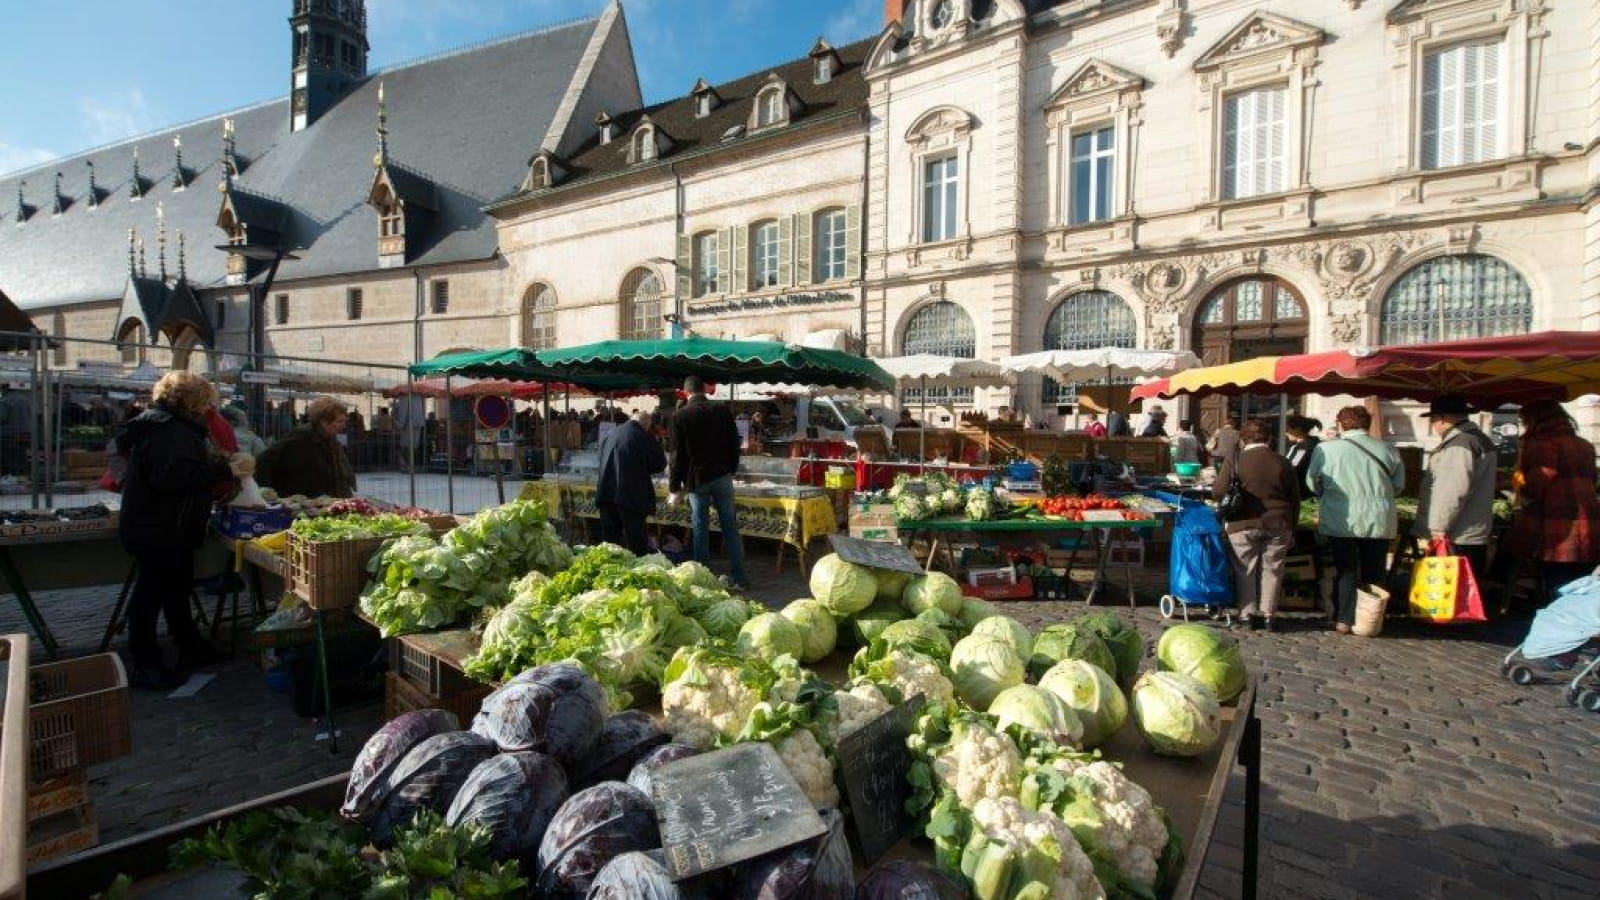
<point>705,455</point>
<point>626,494</point>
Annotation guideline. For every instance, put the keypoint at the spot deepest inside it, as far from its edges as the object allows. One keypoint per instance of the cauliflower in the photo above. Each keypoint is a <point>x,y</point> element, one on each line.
<point>911,673</point>
<point>857,706</point>
<point>1110,814</point>
<point>704,699</point>
<point>978,763</point>
<point>1016,852</point>
<point>810,766</point>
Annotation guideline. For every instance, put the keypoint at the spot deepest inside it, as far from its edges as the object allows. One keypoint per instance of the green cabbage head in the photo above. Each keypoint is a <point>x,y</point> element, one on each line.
<point>818,631</point>
<point>891,584</point>
<point>982,666</point>
<point>843,587</point>
<point>1009,630</point>
<point>724,618</point>
<point>1059,642</point>
<point>1125,642</point>
<point>1177,714</point>
<point>870,622</point>
<point>770,636</point>
<point>1092,694</point>
<point>1037,712</point>
<point>916,634</point>
<point>1209,655</point>
<point>935,590</point>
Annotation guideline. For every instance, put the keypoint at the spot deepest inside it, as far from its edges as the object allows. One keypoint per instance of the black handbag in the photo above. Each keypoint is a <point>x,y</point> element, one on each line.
<point>1231,506</point>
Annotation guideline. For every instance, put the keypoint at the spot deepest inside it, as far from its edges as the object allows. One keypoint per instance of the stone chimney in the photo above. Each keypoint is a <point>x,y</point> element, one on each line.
<point>893,10</point>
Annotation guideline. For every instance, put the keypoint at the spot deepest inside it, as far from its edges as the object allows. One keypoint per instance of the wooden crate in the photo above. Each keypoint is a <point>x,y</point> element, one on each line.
<point>401,696</point>
<point>426,672</point>
<point>68,831</point>
<point>80,714</point>
<point>329,574</point>
<point>58,794</point>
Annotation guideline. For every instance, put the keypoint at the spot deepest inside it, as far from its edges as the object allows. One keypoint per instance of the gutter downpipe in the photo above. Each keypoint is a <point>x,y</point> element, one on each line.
<point>679,327</point>
<point>416,357</point>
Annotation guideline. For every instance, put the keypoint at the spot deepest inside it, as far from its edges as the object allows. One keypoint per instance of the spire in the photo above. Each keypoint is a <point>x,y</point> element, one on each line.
<point>57,205</point>
<point>137,190</point>
<point>382,157</point>
<point>22,203</point>
<point>94,190</point>
<point>230,164</point>
<point>141,256</point>
<point>183,269</point>
<point>161,242</point>
<point>180,178</point>
<point>133,268</point>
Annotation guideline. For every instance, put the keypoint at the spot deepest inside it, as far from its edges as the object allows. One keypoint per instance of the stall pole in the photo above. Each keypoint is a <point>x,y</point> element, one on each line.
<point>548,460</point>
<point>402,434</point>
<point>34,450</point>
<point>54,458</point>
<point>1283,421</point>
<point>449,446</point>
<point>922,430</point>
<point>47,430</point>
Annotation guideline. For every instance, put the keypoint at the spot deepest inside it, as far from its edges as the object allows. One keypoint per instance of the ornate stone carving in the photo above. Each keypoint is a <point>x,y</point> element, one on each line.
<point>1259,34</point>
<point>1169,31</point>
<point>1090,81</point>
<point>1346,328</point>
<point>1163,337</point>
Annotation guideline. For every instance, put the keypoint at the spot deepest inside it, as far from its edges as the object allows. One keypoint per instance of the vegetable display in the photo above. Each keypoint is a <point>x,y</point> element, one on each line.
<point>982,666</point>
<point>843,587</point>
<point>1209,655</point>
<point>1062,642</point>
<point>1092,695</point>
<point>354,526</point>
<point>1177,714</point>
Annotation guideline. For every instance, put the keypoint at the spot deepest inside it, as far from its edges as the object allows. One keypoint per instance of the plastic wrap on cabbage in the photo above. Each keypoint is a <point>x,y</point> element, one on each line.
<point>626,739</point>
<point>369,776</point>
<point>903,879</point>
<point>643,773</point>
<point>815,870</point>
<point>428,777</point>
<point>555,709</point>
<point>591,829</point>
<point>644,876</point>
<point>513,796</point>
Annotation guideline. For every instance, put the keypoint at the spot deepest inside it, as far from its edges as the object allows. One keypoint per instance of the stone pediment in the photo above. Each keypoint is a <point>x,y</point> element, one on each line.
<point>1095,77</point>
<point>942,121</point>
<point>1259,32</point>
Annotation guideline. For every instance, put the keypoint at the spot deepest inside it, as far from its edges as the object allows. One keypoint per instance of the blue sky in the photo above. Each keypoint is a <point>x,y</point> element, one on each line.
<point>81,73</point>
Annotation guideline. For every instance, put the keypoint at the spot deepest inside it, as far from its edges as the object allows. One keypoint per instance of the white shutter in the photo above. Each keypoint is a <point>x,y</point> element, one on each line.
<point>1481,96</point>
<point>803,273</point>
<point>1431,103</point>
<point>1275,162</point>
<point>1236,146</point>
<point>1449,140</point>
<point>685,271</point>
<point>785,251</point>
<point>725,260</point>
<point>740,255</point>
<point>852,242</point>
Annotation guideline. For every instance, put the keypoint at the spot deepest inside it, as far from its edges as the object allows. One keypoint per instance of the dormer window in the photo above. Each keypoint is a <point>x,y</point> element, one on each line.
<point>824,70</point>
<point>604,124</point>
<point>539,174</point>
<point>644,145</point>
<point>825,61</point>
<point>702,106</point>
<point>705,98</point>
<point>770,108</point>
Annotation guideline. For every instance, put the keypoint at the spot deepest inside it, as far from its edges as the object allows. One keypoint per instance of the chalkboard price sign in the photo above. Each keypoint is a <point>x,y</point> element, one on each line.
<point>873,762</point>
<point>875,554</point>
<point>727,806</point>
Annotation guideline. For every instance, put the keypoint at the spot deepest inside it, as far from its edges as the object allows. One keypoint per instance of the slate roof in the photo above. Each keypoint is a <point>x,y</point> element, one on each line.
<point>844,92</point>
<point>465,121</point>
<point>13,319</point>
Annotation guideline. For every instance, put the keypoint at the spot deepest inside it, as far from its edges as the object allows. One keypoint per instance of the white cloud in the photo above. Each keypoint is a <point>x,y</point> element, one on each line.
<point>858,19</point>
<point>14,158</point>
<point>114,117</point>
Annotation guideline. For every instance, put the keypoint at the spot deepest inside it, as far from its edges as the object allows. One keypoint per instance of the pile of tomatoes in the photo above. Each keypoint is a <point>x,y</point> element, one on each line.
<point>1073,508</point>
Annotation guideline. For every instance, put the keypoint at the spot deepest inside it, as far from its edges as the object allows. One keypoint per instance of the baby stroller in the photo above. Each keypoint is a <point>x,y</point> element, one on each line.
<point>1563,640</point>
<point>1199,573</point>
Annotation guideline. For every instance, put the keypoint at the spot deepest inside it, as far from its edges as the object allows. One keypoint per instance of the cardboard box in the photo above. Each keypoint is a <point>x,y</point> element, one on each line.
<point>874,522</point>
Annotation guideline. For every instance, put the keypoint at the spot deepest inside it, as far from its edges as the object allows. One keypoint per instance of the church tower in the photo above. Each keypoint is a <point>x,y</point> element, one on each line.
<point>330,55</point>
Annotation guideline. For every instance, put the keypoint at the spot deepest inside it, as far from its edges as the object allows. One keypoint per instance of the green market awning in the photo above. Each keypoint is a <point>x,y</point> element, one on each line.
<point>663,362</point>
<point>520,364</point>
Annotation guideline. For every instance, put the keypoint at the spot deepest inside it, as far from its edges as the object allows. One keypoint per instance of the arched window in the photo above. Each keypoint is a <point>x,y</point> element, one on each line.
<point>58,330</point>
<point>1469,295</point>
<point>1084,321</point>
<point>769,107</point>
<point>1244,319</point>
<point>131,341</point>
<point>941,328</point>
<point>639,306</point>
<point>644,145</point>
<point>539,317</point>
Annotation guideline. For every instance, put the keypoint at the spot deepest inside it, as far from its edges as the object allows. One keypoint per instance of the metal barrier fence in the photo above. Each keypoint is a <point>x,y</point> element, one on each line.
<point>62,401</point>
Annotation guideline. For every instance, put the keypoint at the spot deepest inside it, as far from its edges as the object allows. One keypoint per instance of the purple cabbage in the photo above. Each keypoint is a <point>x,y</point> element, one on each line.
<point>902,879</point>
<point>626,739</point>
<point>557,710</point>
<point>369,776</point>
<point>644,876</point>
<point>514,796</point>
<point>643,773</point>
<point>591,829</point>
<point>815,870</point>
<point>428,777</point>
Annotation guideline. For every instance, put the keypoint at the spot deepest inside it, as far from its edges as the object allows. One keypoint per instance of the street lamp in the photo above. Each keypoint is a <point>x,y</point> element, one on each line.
<point>674,319</point>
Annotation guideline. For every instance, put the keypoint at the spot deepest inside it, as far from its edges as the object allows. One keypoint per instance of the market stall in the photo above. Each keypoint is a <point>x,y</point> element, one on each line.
<point>64,548</point>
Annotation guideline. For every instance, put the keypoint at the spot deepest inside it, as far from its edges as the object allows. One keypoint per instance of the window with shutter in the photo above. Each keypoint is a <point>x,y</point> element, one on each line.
<point>1254,151</point>
<point>786,251</point>
<point>683,280</point>
<point>852,242</point>
<point>441,297</point>
<point>804,271</point>
<point>831,248</point>
<point>352,304</point>
<point>764,247</point>
<point>707,269</point>
<point>1461,105</point>
<point>725,280</point>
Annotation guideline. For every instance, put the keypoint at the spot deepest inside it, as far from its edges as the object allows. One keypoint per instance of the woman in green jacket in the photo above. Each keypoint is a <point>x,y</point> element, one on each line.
<point>1357,478</point>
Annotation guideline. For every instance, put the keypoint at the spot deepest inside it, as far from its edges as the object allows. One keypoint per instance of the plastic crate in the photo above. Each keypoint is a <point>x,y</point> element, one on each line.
<point>401,696</point>
<point>426,672</point>
<point>329,574</point>
<point>79,714</point>
<point>1049,587</point>
<point>1022,590</point>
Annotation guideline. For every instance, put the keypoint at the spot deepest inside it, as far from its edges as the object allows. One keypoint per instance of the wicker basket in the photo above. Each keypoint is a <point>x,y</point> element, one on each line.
<point>329,574</point>
<point>401,696</point>
<point>80,714</point>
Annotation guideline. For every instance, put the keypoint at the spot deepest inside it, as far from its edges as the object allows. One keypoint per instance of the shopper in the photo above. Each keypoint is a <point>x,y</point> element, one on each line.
<point>310,461</point>
<point>1155,424</point>
<point>626,491</point>
<point>1357,478</point>
<point>1302,434</point>
<point>166,500</point>
<point>705,456</point>
<point>1457,498</point>
<point>249,441</point>
<point>1263,531</point>
<point>1224,445</point>
<point>1117,424</point>
<point>1558,515</point>
<point>1093,427</point>
<point>1185,446</point>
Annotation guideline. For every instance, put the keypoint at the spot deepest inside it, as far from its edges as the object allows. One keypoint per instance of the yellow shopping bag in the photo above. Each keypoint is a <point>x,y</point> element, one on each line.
<point>1444,588</point>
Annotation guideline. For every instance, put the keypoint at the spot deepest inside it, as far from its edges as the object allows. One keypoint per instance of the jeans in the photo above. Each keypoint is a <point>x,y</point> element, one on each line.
<point>1258,556</point>
<point>162,586</point>
<point>1357,562</point>
<point>719,493</point>
<point>624,527</point>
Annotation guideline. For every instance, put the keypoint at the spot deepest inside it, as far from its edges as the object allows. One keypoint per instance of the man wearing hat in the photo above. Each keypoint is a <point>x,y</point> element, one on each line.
<point>1457,502</point>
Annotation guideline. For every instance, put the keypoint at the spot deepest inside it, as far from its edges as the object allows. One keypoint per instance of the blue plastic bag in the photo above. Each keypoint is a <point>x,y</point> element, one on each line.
<point>1200,572</point>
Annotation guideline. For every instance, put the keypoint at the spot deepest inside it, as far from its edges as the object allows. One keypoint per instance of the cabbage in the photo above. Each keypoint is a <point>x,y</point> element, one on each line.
<point>1059,642</point>
<point>1209,655</point>
<point>934,590</point>
<point>818,633</point>
<point>1038,712</point>
<point>1009,630</point>
<point>724,618</point>
<point>950,500</point>
<point>770,636</point>
<point>591,829</point>
<point>870,622</point>
<point>902,879</point>
<point>915,634</point>
<point>1092,695</point>
<point>974,610</point>
<point>950,625</point>
<point>1124,642</point>
<point>1177,714</point>
<point>694,574</point>
<point>891,585</point>
<point>982,667</point>
<point>980,505</point>
<point>844,587</point>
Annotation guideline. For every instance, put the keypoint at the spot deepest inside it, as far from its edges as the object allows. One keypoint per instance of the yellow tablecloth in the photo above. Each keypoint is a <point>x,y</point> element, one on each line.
<point>795,522</point>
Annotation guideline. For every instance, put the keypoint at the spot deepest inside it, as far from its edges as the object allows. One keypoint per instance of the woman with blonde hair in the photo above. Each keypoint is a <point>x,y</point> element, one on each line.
<point>166,501</point>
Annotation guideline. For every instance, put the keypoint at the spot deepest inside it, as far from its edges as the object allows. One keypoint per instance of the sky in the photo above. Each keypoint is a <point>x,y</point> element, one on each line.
<point>83,73</point>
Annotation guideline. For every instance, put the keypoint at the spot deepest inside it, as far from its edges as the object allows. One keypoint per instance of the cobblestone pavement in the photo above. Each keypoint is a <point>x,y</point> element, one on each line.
<point>1399,767</point>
